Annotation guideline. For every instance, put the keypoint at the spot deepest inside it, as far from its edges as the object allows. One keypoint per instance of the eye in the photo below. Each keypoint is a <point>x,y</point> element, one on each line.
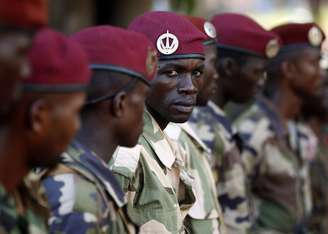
<point>172,73</point>
<point>197,73</point>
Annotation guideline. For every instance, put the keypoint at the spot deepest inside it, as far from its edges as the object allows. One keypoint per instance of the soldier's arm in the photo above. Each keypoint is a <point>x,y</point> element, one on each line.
<point>74,204</point>
<point>125,165</point>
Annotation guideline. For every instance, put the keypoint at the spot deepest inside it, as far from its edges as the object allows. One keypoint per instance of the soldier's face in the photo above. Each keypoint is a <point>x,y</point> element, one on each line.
<point>131,124</point>
<point>174,90</point>
<point>207,84</point>
<point>54,123</point>
<point>306,71</point>
<point>243,85</point>
<point>13,66</point>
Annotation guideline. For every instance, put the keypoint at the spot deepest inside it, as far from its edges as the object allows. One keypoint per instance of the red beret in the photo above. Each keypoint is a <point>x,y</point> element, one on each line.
<point>296,33</point>
<point>58,64</point>
<point>118,50</point>
<point>204,26</point>
<point>174,36</point>
<point>23,13</point>
<point>241,33</point>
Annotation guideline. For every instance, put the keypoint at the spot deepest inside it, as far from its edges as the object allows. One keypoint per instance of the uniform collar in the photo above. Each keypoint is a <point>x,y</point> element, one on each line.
<point>88,160</point>
<point>186,127</point>
<point>159,141</point>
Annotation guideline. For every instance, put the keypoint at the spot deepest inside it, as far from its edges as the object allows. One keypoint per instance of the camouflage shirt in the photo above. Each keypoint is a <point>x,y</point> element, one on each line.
<point>83,195</point>
<point>19,214</point>
<point>157,186</point>
<point>215,130</point>
<point>205,216</point>
<point>273,170</point>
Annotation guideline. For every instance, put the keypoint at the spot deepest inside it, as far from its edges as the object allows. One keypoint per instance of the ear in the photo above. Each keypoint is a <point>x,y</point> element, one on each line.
<point>39,116</point>
<point>119,104</point>
<point>228,67</point>
<point>288,70</point>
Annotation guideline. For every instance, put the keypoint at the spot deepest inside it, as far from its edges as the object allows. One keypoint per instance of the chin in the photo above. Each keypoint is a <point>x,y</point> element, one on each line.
<point>180,118</point>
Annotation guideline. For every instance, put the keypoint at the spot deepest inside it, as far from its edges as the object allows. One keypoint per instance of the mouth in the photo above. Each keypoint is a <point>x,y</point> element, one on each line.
<point>185,107</point>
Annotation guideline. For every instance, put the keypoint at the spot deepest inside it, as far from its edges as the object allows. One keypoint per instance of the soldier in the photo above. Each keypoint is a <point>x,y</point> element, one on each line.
<point>205,216</point>
<point>46,118</point>
<point>18,21</point>
<point>83,194</point>
<point>240,65</point>
<point>152,174</point>
<point>274,168</point>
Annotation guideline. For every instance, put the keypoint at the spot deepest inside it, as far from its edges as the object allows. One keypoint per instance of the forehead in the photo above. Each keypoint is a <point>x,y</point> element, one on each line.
<point>252,61</point>
<point>186,64</point>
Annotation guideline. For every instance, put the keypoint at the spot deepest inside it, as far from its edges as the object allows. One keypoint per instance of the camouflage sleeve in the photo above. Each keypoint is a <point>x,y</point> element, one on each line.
<point>255,134</point>
<point>75,205</point>
<point>124,165</point>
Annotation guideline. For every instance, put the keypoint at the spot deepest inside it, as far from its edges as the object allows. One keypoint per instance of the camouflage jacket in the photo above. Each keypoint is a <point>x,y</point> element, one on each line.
<point>273,169</point>
<point>83,195</point>
<point>205,216</point>
<point>157,186</point>
<point>19,212</point>
<point>215,130</point>
<point>319,188</point>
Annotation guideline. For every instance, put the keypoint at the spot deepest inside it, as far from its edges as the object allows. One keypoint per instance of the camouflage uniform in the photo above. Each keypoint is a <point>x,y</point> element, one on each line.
<point>273,170</point>
<point>19,213</point>
<point>205,215</point>
<point>83,195</point>
<point>157,186</point>
<point>319,185</point>
<point>214,129</point>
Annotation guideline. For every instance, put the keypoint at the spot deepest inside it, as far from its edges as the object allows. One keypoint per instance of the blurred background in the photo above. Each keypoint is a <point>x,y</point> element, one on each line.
<point>70,16</point>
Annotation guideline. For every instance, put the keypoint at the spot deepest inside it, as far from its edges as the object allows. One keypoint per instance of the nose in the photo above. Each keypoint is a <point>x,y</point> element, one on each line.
<point>187,86</point>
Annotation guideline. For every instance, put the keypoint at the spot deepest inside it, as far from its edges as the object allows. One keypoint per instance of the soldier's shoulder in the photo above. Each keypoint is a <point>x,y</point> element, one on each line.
<point>125,160</point>
<point>70,193</point>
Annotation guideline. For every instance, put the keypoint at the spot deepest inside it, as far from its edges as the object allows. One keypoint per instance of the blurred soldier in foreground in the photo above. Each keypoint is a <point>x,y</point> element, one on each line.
<point>153,173</point>
<point>205,216</point>
<point>274,168</point>
<point>83,193</point>
<point>240,65</point>
<point>46,118</point>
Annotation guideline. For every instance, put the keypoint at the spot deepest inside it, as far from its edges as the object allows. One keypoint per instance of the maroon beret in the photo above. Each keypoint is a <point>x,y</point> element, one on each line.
<point>241,33</point>
<point>23,13</point>
<point>173,35</point>
<point>297,33</point>
<point>58,64</point>
<point>119,50</point>
<point>205,27</point>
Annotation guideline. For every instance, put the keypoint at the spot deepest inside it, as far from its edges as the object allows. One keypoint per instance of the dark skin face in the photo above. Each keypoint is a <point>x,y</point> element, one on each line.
<point>13,66</point>
<point>208,82</point>
<point>115,122</point>
<point>52,122</point>
<point>174,90</point>
<point>239,82</point>
<point>130,122</point>
<point>304,71</point>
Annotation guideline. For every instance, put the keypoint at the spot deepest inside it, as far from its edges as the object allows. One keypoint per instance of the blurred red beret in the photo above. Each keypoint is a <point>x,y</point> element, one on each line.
<point>241,33</point>
<point>173,35</point>
<point>205,27</point>
<point>119,50</point>
<point>300,33</point>
<point>58,64</point>
<point>23,13</point>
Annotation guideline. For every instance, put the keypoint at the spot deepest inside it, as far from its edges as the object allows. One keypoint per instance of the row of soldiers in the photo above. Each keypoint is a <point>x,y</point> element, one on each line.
<point>113,130</point>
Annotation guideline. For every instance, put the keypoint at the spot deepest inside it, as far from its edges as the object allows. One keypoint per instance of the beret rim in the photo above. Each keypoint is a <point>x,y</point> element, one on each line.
<point>240,50</point>
<point>55,88</point>
<point>181,56</point>
<point>119,69</point>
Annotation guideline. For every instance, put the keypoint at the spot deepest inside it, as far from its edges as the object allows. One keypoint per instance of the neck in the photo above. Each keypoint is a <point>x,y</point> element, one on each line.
<point>98,139</point>
<point>159,119</point>
<point>13,165</point>
<point>219,97</point>
<point>287,103</point>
